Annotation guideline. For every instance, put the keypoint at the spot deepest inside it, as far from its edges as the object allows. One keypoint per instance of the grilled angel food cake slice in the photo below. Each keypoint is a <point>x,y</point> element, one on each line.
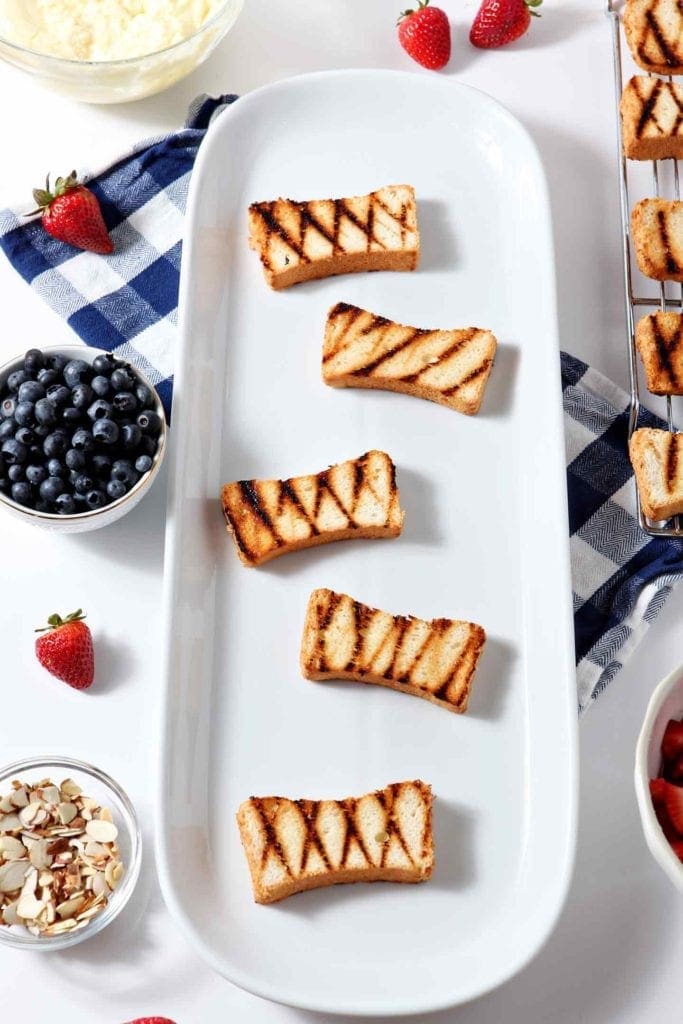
<point>654,33</point>
<point>295,845</point>
<point>363,350</point>
<point>657,229</point>
<point>652,119</point>
<point>657,460</point>
<point>435,659</point>
<point>358,498</point>
<point>300,241</point>
<point>659,339</point>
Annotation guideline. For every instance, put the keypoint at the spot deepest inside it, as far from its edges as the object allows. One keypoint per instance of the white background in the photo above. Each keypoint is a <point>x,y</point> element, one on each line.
<point>616,953</point>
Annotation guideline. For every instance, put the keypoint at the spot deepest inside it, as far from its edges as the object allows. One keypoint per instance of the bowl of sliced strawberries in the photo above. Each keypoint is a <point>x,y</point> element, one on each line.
<point>659,776</point>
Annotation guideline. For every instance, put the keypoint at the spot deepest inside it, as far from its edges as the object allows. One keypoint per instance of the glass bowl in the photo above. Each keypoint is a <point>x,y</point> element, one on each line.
<point>101,787</point>
<point>93,519</point>
<point>120,81</point>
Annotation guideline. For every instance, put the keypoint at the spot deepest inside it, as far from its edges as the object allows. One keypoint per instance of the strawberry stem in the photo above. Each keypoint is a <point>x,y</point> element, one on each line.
<point>44,196</point>
<point>55,620</point>
<point>531,4</point>
<point>420,5</point>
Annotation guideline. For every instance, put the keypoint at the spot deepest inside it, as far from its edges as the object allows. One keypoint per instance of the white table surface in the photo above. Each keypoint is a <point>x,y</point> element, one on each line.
<point>616,953</point>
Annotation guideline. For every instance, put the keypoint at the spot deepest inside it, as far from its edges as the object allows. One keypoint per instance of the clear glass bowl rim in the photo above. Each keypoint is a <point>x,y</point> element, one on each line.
<point>121,894</point>
<point>121,62</point>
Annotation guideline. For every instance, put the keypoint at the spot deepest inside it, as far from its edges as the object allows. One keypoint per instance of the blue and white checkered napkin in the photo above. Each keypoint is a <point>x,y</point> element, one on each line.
<point>127,303</point>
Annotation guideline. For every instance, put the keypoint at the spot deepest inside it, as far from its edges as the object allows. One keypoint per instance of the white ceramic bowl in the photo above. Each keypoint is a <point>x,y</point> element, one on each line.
<point>82,522</point>
<point>97,784</point>
<point>666,702</point>
<point>119,81</point>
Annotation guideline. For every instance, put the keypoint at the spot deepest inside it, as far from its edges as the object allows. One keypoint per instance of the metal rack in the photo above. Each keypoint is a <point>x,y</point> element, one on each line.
<point>661,178</point>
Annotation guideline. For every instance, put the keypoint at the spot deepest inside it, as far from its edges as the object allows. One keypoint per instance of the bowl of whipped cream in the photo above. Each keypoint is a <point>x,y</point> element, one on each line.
<point>105,51</point>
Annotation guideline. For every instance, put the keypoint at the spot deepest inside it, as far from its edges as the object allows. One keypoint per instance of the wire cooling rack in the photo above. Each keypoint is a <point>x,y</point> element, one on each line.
<point>656,178</point>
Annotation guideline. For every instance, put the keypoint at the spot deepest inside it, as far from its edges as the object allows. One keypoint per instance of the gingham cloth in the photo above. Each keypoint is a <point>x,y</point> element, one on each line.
<point>127,303</point>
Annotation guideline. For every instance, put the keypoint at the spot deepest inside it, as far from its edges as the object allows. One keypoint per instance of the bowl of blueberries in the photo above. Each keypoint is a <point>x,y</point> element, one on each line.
<point>82,437</point>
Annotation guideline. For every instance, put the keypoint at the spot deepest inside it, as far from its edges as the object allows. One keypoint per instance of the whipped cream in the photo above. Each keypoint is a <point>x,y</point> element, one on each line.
<point>101,30</point>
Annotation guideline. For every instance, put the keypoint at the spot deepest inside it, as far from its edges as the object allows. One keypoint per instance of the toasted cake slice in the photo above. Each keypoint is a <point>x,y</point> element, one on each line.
<point>358,498</point>
<point>299,241</point>
<point>363,350</point>
<point>652,119</point>
<point>657,460</point>
<point>657,229</point>
<point>659,338</point>
<point>294,845</point>
<point>435,659</point>
<point>654,33</point>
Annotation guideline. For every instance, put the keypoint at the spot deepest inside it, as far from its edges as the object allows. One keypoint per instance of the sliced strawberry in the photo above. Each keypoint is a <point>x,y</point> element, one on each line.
<point>673,771</point>
<point>673,802</point>
<point>672,740</point>
<point>657,791</point>
<point>677,847</point>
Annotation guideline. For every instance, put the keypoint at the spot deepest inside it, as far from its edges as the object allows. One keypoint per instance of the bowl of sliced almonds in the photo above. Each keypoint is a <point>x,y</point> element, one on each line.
<point>70,850</point>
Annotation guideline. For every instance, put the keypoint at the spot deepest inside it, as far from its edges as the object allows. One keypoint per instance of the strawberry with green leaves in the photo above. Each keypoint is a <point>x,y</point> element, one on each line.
<point>499,22</point>
<point>65,649</point>
<point>70,212</point>
<point>425,35</point>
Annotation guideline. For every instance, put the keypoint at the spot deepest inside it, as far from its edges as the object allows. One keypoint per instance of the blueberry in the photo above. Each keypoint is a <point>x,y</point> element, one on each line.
<point>51,488</point>
<point>34,360</point>
<point>47,377</point>
<point>76,372</point>
<point>105,431</point>
<point>16,379</point>
<point>36,474</point>
<point>101,465</point>
<point>100,386</point>
<point>65,504</point>
<point>8,408</point>
<point>105,364</point>
<point>122,380</point>
<point>148,446</point>
<point>25,414</point>
<point>55,467</point>
<point>45,411</point>
<point>83,440</point>
<point>25,435</point>
<point>124,402</point>
<point>55,444</point>
<point>56,362</point>
<point>81,396</point>
<point>14,451</point>
<point>5,485</point>
<point>30,391</point>
<point>22,493</point>
<point>144,396</point>
<point>149,422</point>
<point>58,394</point>
<point>83,483</point>
<point>116,489</point>
<point>143,463</point>
<point>71,416</point>
<point>123,471</point>
<point>41,430</point>
<point>131,435</point>
<point>99,410</point>
<point>74,459</point>
<point>95,498</point>
<point>15,473</point>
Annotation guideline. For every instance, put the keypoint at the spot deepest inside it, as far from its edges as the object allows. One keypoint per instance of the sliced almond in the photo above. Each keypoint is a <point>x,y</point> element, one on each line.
<point>39,856</point>
<point>10,823</point>
<point>70,789</point>
<point>29,907</point>
<point>67,812</point>
<point>12,875</point>
<point>9,913</point>
<point>105,814</point>
<point>102,831</point>
<point>12,848</point>
<point>69,907</point>
<point>19,797</point>
<point>28,813</point>
<point>51,795</point>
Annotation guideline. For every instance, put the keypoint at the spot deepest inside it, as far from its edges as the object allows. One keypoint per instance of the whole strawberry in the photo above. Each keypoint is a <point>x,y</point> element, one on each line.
<point>425,35</point>
<point>72,214</point>
<point>501,21</point>
<point>65,649</point>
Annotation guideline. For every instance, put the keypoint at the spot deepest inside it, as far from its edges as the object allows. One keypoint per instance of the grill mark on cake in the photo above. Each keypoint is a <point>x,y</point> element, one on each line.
<point>272,841</point>
<point>671,470</point>
<point>404,677</point>
<point>369,368</point>
<point>250,496</point>
<point>664,348</point>
<point>309,219</point>
<point>470,650</point>
<point>274,227</point>
<point>312,840</point>
<point>392,826</point>
<point>349,807</point>
<point>286,490</point>
<point>323,625</point>
<point>671,264</point>
<point>647,112</point>
<point>362,618</point>
<point>473,375</point>
<point>668,55</point>
<point>341,309</point>
<point>401,623</point>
